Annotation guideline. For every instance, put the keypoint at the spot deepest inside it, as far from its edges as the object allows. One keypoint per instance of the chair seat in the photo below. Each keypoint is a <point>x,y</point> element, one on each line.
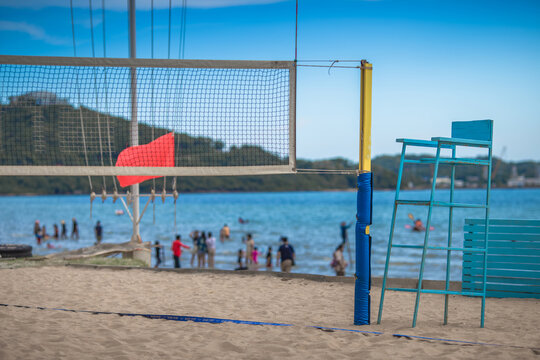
<point>461,142</point>
<point>450,161</point>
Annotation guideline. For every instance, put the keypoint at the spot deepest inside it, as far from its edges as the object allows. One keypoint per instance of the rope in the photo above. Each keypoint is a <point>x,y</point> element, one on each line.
<point>182,46</point>
<point>79,95</point>
<point>296,35</point>
<point>331,66</point>
<point>247,322</point>
<point>107,96</point>
<point>168,73</point>
<point>152,100</point>
<point>169,42</point>
<point>181,52</point>
<point>96,90</point>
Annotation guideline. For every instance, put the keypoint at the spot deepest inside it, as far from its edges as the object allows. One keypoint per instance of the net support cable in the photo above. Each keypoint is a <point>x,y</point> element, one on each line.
<point>78,97</point>
<point>96,92</point>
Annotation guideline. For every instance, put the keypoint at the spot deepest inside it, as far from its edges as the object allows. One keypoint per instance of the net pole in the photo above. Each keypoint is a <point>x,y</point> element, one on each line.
<point>362,286</point>
<point>134,133</point>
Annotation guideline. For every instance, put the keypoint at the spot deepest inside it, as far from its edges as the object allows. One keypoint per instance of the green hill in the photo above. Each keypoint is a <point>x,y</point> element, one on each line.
<point>20,144</point>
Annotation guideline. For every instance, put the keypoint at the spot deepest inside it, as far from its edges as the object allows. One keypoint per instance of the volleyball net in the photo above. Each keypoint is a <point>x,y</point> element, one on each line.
<point>83,116</point>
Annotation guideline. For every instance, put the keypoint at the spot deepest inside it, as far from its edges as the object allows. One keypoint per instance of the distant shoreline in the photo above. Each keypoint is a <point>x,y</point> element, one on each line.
<point>276,191</point>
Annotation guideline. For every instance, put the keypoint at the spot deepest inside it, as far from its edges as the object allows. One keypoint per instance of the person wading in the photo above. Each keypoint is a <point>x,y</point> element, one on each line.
<point>176,248</point>
<point>286,255</point>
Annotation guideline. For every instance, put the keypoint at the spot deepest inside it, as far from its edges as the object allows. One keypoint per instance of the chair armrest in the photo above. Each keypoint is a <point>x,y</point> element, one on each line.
<point>461,142</point>
<point>422,143</point>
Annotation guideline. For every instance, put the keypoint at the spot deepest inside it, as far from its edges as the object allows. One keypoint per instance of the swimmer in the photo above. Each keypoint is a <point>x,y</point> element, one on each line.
<point>418,225</point>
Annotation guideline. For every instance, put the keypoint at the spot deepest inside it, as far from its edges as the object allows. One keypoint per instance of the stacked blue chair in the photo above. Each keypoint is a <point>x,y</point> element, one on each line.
<point>478,134</point>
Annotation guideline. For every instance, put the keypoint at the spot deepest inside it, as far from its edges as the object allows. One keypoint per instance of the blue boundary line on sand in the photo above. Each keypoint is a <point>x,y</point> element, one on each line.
<point>247,322</point>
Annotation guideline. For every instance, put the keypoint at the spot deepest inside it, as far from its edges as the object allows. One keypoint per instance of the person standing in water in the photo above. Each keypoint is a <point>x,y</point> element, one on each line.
<point>250,246</point>
<point>254,255</point>
<point>286,254</point>
<point>202,250</point>
<point>224,233</point>
<point>98,230</point>
<point>159,249</point>
<point>240,260</point>
<point>56,234</point>
<point>211,246</point>
<point>269,259</point>
<point>176,248</point>
<point>75,230</point>
<point>195,237</point>
<point>338,261</point>
<point>44,234</point>
<point>37,232</point>
<point>344,227</point>
<point>63,234</point>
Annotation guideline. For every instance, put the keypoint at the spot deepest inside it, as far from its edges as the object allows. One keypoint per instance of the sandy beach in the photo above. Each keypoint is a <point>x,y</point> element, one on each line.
<point>31,333</point>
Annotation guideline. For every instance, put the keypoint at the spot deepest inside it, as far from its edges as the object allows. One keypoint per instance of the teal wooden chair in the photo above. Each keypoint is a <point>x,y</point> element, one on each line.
<point>478,134</point>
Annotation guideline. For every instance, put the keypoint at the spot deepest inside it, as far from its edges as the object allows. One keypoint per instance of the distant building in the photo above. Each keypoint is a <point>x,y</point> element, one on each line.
<point>445,182</point>
<point>516,181</point>
<point>37,98</point>
<point>532,182</point>
<point>522,181</point>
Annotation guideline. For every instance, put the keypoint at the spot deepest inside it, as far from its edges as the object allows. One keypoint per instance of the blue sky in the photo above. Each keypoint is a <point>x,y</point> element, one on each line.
<point>434,61</point>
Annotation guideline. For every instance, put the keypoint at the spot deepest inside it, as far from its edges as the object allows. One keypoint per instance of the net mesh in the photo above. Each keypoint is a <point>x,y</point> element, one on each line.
<point>52,115</point>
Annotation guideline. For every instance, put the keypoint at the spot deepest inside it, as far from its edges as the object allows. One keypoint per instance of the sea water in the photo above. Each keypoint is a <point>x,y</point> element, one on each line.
<point>309,219</point>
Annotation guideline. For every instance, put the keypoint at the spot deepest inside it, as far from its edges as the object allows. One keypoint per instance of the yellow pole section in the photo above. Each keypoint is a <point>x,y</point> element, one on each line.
<point>365,116</point>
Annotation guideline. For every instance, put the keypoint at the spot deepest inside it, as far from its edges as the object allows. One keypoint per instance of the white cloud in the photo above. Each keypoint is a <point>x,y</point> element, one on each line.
<point>34,31</point>
<point>121,5</point>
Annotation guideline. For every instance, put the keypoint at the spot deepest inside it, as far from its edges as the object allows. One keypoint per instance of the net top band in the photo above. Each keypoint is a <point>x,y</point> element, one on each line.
<point>144,63</point>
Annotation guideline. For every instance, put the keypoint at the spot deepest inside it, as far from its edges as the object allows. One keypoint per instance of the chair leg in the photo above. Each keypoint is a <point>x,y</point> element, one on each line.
<point>392,227</point>
<point>488,195</point>
<point>426,237</point>
<point>449,252</point>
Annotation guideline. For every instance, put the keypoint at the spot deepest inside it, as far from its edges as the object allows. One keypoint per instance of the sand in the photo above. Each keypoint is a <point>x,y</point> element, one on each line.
<point>31,333</point>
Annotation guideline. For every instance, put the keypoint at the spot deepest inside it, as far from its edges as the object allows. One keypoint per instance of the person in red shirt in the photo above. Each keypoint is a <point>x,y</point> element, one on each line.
<point>176,248</point>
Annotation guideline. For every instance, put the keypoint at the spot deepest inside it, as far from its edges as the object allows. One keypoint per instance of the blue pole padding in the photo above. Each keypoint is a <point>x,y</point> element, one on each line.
<point>362,297</point>
<point>362,284</point>
<point>364,197</point>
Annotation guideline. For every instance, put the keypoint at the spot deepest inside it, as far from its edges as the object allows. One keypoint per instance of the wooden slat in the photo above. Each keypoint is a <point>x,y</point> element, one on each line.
<point>503,280</point>
<point>503,294</point>
<point>506,259</point>
<point>505,222</point>
<point>503,265</point>
<point>494,229</point>
<point>496,244</point>
<point>502,237</point>
<point>502,272</point>
<point>531,289</point>
<point>504,251</point>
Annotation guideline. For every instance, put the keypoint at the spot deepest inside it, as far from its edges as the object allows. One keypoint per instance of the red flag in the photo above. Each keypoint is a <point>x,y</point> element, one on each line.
<point>158,153</point>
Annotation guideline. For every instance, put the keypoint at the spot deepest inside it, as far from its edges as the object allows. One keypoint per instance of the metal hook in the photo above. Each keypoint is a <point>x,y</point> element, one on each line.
<point>332,64</point>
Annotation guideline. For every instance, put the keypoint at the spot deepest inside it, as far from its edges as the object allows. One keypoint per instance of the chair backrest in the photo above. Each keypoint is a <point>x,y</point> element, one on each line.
<point>474,130</point>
